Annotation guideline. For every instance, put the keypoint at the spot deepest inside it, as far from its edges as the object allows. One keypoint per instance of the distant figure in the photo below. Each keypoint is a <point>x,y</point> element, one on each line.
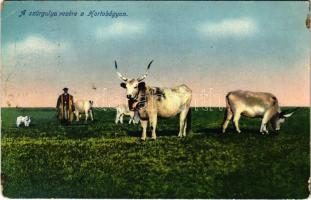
<point>23,120</point>
<point>122,110</point>
<point>83,106</point>
<point>65,107</point>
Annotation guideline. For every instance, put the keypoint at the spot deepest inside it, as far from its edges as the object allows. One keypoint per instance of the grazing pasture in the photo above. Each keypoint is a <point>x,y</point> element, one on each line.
<point>104,160</point>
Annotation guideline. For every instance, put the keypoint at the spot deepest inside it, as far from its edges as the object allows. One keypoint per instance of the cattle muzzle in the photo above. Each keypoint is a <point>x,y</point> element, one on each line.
<point>131,98</point>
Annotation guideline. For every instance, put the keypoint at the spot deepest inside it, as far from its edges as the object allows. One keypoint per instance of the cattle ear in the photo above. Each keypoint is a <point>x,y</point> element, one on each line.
<point>123,85</point>
<point>141,85</point>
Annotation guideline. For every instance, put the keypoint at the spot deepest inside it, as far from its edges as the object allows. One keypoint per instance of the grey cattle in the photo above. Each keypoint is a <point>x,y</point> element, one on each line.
<point>253,104</point>
<point>83,106</point>
<point>151,102</point>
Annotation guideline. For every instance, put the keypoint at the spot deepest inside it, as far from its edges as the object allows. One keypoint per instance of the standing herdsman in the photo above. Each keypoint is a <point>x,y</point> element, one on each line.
<point>65,107</point>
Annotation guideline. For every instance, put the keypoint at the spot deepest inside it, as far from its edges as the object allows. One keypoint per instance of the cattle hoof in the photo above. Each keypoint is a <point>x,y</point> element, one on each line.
<point>142,139</point>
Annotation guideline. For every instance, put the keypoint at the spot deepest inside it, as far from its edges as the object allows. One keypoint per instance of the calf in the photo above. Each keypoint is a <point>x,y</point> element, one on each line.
<point>83,106</point>
<point>123,110</point>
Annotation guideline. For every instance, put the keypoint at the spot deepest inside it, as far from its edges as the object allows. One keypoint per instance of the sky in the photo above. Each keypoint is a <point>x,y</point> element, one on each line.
<point>213,47</point>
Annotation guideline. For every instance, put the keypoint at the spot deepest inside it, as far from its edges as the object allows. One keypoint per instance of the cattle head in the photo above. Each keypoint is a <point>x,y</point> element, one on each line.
<point>133,86</point>
<point>27,118</point>
<point>279,118</point>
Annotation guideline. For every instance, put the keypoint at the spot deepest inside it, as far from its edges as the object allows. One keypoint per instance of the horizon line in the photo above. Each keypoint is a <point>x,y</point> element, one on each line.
<point>306,106</point>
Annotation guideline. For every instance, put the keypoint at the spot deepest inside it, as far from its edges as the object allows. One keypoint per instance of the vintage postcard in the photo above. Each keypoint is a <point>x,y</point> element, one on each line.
<point>155,99</point>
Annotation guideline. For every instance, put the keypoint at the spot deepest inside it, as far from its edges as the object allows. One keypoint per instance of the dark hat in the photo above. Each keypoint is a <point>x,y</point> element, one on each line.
<point>65,89</point>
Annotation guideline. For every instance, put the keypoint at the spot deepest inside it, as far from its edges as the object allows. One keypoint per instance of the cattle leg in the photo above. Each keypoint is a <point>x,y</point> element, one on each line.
<point>182,120</point>
<point>185,128</point>
<point>121,118</point>
<point>77,115</point>
<point>153,123</point>
<point>144,125</point>
<point>236,119</point>
<point>263,128</point>
<point>86,116</point>
<point>182,123</point>
<point>181,129</point>
<point>91,114</point>
<point>227,119</point>
<point>131,118</point>
<point>266,118</point>
<point>117,118</point>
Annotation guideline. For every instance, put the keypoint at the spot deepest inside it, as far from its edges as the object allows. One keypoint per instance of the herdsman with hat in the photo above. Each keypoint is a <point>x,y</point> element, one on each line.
<point>65,107</point>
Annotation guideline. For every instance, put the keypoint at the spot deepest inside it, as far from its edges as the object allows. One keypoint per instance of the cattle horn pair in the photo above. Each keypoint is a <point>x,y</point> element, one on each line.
<point>139,79</point>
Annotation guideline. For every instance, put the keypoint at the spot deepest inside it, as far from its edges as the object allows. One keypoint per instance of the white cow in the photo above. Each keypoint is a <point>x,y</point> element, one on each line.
<point>83,106</point>
<point>23,120</point>
<point>122,110</point>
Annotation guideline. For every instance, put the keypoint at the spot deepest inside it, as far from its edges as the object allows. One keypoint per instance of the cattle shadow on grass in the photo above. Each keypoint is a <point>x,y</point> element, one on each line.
<point>232,132</point>
<point>169,132</point>
<point>209,131</point>
<point>82,123</point>
<point>214,132</point>
<point>72,133</point>
<point>247,132</point>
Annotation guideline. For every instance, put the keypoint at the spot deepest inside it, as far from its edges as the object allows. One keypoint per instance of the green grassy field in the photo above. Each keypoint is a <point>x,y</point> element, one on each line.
<point>104,160</point>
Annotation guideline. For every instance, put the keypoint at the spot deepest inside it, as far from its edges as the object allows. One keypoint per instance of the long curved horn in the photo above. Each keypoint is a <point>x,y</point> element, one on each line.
<point>286,114</point>
<point>119,74</point>
<point>145,75</point>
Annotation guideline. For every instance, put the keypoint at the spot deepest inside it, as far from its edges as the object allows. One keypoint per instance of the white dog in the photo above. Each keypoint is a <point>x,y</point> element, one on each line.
<point>23,120</point>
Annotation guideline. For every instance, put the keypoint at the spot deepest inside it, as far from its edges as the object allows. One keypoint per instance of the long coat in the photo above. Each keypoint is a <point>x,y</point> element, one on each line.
<point>65,113</point>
